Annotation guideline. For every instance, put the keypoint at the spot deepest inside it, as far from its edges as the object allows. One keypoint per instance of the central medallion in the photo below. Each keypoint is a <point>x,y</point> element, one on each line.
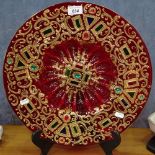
<point>77,76</point>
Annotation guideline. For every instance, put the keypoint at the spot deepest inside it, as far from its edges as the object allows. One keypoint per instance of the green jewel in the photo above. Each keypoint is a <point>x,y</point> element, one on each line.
<point>99,27</point>
<point>118,90</point>
<point>54,125</point>
<point>126,52</point>
<point>9,61</point>
<point>78,23</point>
<point>75,130</point>
<point>34,67</point>
<point>77,76</point>
<point>47,31</point>
<point>67,72</point>
<point>141,97</point>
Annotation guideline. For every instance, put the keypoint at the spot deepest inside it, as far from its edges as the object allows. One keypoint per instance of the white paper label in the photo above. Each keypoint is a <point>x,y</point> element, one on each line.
<point>75,10</point>
<point>24,101</point>
<point>119,114</point>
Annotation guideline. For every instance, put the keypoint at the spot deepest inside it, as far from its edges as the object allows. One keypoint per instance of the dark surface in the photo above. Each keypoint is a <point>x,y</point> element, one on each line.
<point>46,144</point>
<point>151,145</point>
<point>42,143</point>
<point>109,146</point>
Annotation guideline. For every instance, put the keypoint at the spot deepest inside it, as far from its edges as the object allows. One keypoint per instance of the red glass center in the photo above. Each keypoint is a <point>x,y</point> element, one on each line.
<point>77,76</point>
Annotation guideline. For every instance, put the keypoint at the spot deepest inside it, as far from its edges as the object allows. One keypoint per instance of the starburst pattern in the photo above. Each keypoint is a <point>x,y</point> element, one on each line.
<point>77,76</point>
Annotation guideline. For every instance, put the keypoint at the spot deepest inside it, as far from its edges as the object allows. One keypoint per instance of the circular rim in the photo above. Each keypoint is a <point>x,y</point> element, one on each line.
<point>50,28</point>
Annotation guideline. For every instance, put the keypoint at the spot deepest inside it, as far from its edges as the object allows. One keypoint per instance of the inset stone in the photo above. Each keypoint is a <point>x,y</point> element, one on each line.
<point>20,64</point>
<point>125,103</point>
<point>47,31</point>
<point>126,52</point>
<point>92,10</point>
<point>34,67</point>
<point>29,106</point>
<point>67,118</point>
<point>54,125</point>
<point>141,97</point>
<point>90,20</point>
<point>118,90</point>
<point>27,55</point>
<point>131,94</point>
<point>86,35</point>
<point>86,78</point>
<point>9,61</point>
<point>105,123</point>
<point>61,140</point>
<point>75,129</point>
<point>63,131</point>
<point>78,23</point>
<point>77,75</point>
<point>99,27</point>
<point>67,72</point>
<point>74,82</point>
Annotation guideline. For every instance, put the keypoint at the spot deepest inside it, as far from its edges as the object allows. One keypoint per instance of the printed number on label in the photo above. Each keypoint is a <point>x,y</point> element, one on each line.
<point>75,10</point>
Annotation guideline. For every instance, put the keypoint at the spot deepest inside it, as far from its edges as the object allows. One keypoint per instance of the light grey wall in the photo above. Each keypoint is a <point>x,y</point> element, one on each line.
<point>13,13</point>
